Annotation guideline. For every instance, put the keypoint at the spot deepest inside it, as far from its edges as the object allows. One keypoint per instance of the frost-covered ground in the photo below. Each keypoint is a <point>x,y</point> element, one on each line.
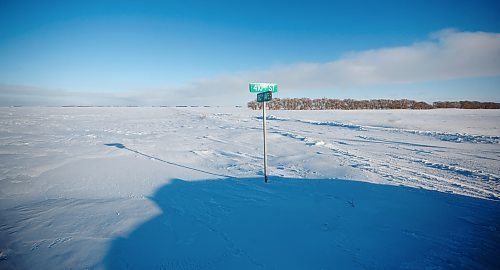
<point>182,188</point>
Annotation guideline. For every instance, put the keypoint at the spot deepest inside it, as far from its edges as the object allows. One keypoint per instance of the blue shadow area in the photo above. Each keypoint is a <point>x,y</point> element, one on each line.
<point>310,224</point>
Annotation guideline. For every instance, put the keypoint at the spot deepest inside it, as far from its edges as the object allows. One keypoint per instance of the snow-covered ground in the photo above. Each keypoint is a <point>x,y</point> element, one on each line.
<point>182,188</point>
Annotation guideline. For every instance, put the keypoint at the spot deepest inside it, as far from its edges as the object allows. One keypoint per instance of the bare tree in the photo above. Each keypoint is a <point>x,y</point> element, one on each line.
<point>374,104</point>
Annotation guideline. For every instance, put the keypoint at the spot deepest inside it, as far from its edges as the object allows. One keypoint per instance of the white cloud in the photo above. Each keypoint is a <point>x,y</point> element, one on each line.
<point>447,54</point>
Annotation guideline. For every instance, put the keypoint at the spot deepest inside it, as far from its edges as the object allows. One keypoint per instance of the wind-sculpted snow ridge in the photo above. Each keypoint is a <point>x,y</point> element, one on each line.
<point>334,124</point>
<point>449,137</point>
<point>462,171</point>
<point>273,117</point>
<point>409,172</point>
<point>401,162</point>
<point>443,136</point>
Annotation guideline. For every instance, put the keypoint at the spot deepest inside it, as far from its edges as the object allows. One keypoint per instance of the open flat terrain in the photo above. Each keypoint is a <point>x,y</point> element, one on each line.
<point>182,188</point>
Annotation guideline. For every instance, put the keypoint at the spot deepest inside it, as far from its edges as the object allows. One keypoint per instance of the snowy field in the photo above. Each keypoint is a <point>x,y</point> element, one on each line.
<point>182,188</point>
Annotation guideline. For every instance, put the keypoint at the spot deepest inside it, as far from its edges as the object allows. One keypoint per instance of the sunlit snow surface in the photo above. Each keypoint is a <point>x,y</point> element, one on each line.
<point>182,188</point>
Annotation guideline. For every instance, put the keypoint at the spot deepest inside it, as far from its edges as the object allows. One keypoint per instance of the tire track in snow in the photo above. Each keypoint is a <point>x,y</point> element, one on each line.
<point>391,164</point>
<point>442,136</point>
<point>406,171</point>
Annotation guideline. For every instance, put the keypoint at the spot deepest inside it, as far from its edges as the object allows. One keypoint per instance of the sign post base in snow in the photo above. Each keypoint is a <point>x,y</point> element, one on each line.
<point>265,93</point>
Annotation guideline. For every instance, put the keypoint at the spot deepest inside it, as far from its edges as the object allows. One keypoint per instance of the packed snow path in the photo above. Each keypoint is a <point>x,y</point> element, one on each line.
<point>96,188</point>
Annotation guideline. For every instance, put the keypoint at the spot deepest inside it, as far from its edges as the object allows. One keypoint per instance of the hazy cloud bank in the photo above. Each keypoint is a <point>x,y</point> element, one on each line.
<point>447,54</point>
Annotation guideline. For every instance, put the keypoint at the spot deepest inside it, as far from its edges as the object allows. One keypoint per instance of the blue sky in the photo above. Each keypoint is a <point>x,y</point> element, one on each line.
<point>206,52</point>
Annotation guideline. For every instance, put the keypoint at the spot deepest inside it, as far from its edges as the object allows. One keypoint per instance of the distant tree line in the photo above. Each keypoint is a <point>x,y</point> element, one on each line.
<point>374,104</point>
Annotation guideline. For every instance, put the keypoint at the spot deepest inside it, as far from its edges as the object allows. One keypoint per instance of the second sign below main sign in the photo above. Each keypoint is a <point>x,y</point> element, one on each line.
<point>265,96</point>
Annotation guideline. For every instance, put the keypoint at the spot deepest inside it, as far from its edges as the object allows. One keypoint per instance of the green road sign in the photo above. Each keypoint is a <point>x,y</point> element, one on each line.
<point>266,96</point>
<point>263,87</point>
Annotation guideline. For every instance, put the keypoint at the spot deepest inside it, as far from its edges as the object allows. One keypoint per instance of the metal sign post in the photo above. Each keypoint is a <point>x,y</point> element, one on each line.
<point>265,142</point>
<point>265,93</point>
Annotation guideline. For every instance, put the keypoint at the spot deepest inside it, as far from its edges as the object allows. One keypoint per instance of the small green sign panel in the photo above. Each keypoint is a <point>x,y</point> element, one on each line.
<point>263,87</point>
<point>266,96</point>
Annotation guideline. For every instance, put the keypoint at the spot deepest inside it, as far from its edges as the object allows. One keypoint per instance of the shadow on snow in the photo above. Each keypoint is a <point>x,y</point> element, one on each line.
<point>122,146</point>
<point>309,224</point>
